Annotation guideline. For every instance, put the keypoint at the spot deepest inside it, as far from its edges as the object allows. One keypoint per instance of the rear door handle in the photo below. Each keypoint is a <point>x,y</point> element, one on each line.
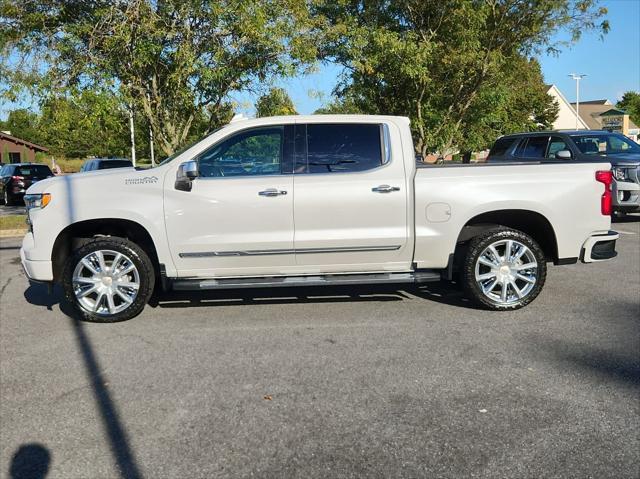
<point>272,192</point>
<point>385,189</point>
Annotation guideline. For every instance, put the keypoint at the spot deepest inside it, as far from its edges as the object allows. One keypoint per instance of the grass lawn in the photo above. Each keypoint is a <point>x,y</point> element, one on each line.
<point>13,222</point>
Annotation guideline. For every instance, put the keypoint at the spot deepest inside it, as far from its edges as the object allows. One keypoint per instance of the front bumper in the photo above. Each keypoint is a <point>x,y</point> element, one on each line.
<point>626,195</point>
<point>34,269</point>
<point>599,247</point>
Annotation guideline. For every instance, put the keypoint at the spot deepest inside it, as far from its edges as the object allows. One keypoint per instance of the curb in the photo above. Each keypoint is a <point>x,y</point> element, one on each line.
<point>12,233</point>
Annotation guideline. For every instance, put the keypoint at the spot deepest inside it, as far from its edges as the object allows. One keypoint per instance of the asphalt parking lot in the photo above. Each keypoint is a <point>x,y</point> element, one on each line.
<point>346,382</point>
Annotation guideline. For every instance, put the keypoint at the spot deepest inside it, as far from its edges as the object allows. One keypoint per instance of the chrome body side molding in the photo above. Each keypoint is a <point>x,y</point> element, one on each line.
<point>345,249</point>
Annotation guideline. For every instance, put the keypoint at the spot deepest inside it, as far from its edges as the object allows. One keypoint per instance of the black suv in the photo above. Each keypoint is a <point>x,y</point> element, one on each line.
<point>15,178</point>
<point>105,163</point>
<point>580,145</point>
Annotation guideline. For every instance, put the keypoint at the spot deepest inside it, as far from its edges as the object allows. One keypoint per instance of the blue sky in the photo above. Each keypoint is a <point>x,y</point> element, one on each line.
<point>612,66</point>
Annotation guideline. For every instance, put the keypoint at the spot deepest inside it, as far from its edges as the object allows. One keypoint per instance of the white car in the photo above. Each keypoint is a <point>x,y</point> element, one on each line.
<point>312,200</point>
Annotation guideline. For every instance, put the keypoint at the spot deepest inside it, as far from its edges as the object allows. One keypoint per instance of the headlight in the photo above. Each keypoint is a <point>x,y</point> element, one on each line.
<point>37,201</point>
<point>620,173</point>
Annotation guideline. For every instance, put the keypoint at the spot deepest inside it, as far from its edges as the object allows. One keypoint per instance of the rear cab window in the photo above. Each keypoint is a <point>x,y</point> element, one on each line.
<point>33,170</point>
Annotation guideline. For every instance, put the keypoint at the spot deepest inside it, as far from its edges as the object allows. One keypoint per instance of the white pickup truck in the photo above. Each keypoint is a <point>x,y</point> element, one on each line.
<point>312,200</point>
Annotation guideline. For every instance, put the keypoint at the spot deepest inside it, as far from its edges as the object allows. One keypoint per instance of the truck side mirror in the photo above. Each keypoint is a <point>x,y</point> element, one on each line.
<point>563,155</point>
<point>187,172</point>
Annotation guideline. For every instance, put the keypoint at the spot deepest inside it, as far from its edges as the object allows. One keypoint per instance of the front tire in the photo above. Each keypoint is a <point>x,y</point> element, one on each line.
<point>108,279</point>
<point>504,269</point>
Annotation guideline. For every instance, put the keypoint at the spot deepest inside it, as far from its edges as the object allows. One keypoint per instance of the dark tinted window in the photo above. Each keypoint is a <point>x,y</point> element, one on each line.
<point>340,148</point>
<point>533,147</point>
<point>501,146</point>
<point>33,170</point>
<point>103,165</point>
<point>248,153</point>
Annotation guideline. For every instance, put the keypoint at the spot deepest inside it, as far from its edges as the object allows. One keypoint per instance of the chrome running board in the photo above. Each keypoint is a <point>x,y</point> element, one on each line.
<point>315,280</point>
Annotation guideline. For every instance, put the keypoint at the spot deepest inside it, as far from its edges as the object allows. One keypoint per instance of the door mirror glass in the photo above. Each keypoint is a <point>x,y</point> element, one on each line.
<point>563,155</point>
<point>187,172</point>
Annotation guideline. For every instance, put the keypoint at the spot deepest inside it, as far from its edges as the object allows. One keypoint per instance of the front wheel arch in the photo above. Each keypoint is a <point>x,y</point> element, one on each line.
<point>77,234</point>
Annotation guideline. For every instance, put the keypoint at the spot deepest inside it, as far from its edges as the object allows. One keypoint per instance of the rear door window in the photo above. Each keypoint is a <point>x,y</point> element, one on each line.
<point>341,148</point>
<point>534,148</point>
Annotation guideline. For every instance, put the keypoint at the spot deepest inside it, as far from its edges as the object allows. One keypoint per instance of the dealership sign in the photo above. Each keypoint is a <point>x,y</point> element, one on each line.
<point>615,120</point>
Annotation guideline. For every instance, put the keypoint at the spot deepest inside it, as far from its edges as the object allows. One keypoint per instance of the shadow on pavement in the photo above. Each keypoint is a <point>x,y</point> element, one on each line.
<point>30,461</point>
<point>617,359</point>
<point>437,292</point>
<point>118,439</point>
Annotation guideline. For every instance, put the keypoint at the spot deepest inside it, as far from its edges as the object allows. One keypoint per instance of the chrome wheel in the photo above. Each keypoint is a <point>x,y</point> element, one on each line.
<point>105,282</point>
<point>506,271</point>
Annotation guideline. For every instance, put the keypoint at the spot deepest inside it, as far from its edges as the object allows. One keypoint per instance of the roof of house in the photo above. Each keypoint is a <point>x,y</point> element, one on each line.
<point>590,112</point>
<point>596,102</point>
<point>20,141</point>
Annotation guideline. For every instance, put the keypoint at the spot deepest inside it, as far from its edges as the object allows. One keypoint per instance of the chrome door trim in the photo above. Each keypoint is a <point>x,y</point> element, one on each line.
<point>344,249</point>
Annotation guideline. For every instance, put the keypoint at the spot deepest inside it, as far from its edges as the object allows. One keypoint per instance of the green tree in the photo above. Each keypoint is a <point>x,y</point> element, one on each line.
<point>88,123</point>
<point>451,65</point>
<point>22,123</point>
<point>173,59</point>
<point>630,102</point>
<point>338,106</point>
<point>276,102</point>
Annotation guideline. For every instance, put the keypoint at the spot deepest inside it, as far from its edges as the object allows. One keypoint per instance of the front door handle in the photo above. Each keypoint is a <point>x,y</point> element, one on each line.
<point>272,192</point>
<point>385,189</point>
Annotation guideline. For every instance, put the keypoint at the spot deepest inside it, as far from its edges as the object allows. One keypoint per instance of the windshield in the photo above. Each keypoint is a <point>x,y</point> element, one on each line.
<point>603,144</point>
<point>185,148</point>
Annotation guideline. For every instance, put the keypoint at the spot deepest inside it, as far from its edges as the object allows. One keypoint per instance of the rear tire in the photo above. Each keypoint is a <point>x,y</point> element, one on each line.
<point>503,269</point>
<point>8,201</point>
<point>108,279</point>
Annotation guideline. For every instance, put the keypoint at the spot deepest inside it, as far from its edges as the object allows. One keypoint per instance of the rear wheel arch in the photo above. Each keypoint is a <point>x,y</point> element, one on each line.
<point>529,222</point>
<point>75,235</point>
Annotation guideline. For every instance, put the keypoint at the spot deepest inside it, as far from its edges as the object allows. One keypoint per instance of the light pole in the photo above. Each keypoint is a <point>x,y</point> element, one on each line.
<point>577,77</point>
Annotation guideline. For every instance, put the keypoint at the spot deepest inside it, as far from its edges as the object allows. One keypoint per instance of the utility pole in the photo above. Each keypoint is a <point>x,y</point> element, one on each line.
<point>153,156</point>
<point>577,77</point>
<point>133,135</point>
